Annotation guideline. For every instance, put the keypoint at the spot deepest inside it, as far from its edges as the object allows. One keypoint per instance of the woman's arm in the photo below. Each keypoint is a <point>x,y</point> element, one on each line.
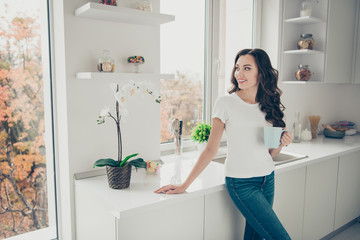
<point>285,140</point>
<point>205,158</point>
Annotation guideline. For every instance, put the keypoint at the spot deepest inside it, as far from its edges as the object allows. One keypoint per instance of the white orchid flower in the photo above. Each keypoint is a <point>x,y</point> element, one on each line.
<point>120,97</point>
<point>105,112</point>
<point>126,89</point>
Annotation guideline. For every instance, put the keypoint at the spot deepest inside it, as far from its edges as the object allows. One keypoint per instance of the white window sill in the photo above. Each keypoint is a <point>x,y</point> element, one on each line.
<point>190,146</point>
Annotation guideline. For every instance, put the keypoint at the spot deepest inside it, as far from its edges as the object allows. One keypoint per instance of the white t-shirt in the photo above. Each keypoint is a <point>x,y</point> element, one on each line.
<point>247,155</point>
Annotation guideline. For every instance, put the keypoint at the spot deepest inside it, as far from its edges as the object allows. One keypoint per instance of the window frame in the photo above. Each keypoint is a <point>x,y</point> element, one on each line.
<point>211,64</point>
<point>47,55</point>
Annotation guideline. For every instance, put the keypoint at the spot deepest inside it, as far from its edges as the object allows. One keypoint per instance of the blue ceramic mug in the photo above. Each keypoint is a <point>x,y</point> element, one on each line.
<point>272,136</point>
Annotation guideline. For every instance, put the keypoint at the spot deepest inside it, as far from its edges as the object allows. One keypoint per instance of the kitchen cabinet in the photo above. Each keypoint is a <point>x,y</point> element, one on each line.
<point>348,194</point>
<point>91,214</point>
<point>320,196</point>
<point>179,221</point>
<point>289,200</point>
<point>222,220</point>
<point>163,223</point>
<point>292,27</point>
<point>340,41</point>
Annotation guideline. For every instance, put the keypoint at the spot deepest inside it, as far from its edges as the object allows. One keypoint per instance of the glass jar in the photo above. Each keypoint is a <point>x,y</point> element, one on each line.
<point>144,5</point>
<point>305,10</point>
<point>303,73</point>
<point>106,62</point>
<point>306,41</point>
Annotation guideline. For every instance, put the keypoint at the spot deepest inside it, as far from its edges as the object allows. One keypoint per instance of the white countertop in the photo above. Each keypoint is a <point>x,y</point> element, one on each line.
<point>319,149</point>
<point>140,196</point>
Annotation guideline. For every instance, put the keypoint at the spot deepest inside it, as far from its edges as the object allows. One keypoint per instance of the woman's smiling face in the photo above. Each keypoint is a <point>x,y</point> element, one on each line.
<point>246,72</point>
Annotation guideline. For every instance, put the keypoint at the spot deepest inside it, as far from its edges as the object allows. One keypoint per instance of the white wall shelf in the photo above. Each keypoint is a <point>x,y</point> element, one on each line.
<point>291,28</point>
<point>121,14</point>
<point>304,20</point>
<point>111,75</point>
<point>301,82</point>
<point>303,51</point>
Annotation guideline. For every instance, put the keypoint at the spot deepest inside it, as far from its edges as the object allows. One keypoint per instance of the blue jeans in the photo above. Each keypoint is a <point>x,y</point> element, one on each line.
<point>254,198</point>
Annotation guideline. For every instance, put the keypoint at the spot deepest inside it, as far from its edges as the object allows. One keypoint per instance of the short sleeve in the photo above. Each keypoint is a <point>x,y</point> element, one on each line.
<point>219,110</point>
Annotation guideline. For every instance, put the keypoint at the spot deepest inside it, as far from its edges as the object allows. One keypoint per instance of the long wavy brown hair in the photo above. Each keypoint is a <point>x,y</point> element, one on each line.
<point>268,93</point>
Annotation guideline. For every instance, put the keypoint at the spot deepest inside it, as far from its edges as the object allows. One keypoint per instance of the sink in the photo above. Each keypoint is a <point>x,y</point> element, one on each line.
<point>285,157</point>
<point>281,158</point>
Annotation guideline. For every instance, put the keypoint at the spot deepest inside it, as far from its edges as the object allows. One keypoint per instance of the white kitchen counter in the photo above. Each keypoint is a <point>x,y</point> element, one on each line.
<point>139,196</point>
<point>319,149</point>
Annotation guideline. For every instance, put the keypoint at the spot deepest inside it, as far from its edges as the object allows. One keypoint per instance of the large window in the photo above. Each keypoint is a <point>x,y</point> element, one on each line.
<point>236,32</point>
<point>27,202</point>
<point>182,53</point>
<point>199,47</point>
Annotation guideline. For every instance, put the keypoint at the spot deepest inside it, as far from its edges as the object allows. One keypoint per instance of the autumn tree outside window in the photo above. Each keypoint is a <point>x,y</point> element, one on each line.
<point>27,203</point>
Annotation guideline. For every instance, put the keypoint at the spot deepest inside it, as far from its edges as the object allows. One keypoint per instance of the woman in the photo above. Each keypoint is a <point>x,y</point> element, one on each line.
<point>254,102</point>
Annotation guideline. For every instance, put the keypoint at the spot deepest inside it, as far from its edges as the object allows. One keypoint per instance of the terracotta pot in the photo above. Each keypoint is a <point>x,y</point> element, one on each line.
<point>119,177</point>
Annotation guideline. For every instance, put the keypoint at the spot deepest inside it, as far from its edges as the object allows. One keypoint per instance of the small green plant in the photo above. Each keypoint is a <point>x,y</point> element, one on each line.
<point>201,132</point>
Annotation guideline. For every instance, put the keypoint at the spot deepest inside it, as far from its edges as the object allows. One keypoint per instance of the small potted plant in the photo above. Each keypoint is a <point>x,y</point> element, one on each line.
<point>119,171</point>
<point>200,134</point>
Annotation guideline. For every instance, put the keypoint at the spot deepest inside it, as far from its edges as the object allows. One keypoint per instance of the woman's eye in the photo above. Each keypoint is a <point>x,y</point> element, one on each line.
<point>247,68</point>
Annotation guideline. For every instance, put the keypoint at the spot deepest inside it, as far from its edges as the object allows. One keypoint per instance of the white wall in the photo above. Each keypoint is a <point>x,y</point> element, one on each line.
<point>81,140</point>
<point>333,102</point>
<point>85,38</point>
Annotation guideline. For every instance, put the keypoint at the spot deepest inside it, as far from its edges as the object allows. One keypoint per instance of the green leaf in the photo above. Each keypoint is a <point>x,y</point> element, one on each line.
<point>127,158</point>
<point>106,162</point>
<point>138,163</point>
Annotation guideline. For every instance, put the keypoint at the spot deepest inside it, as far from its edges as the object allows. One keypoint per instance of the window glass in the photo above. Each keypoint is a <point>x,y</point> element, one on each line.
<point>182,53</point>
<point>182,46</point>
<point>235,33</point>
<point>27,202</point>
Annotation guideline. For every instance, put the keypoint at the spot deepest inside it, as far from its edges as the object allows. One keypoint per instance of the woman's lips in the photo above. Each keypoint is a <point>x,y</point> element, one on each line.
<point>240,81</point>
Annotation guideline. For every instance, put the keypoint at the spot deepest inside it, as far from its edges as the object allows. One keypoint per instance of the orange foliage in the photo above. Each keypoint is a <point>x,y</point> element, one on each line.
<point>182,98</point>
<point>22,155</point>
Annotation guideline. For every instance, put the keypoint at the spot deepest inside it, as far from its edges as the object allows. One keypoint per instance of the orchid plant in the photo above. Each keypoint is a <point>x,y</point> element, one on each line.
<point>121,94</point>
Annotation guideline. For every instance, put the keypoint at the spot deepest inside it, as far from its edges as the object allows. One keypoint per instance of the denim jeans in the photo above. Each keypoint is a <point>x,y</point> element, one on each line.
<point>254,198</point>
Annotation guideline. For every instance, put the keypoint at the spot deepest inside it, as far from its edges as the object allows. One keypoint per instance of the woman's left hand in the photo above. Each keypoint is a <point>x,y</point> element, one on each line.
<point>286,139</point>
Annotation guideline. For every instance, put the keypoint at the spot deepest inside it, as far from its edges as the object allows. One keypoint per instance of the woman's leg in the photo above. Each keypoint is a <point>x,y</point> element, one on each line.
<point>268,191</point>
<point>254,198</point>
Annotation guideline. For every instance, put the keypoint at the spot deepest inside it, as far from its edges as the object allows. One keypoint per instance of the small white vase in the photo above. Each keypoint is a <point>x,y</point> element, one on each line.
<point>201,146</point>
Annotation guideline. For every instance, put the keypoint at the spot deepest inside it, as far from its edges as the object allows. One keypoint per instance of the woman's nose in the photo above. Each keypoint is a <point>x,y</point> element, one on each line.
<point>238,73</point>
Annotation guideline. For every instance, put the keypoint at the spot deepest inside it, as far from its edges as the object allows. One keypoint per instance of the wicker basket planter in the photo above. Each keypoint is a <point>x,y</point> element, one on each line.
<point>119,177</point>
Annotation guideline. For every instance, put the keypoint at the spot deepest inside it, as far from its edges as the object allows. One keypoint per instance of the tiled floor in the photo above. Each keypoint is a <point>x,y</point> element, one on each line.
<point>351,233</point>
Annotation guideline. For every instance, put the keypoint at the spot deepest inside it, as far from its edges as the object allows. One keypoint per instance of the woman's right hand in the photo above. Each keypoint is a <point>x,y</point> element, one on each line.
<point>171,189</point>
